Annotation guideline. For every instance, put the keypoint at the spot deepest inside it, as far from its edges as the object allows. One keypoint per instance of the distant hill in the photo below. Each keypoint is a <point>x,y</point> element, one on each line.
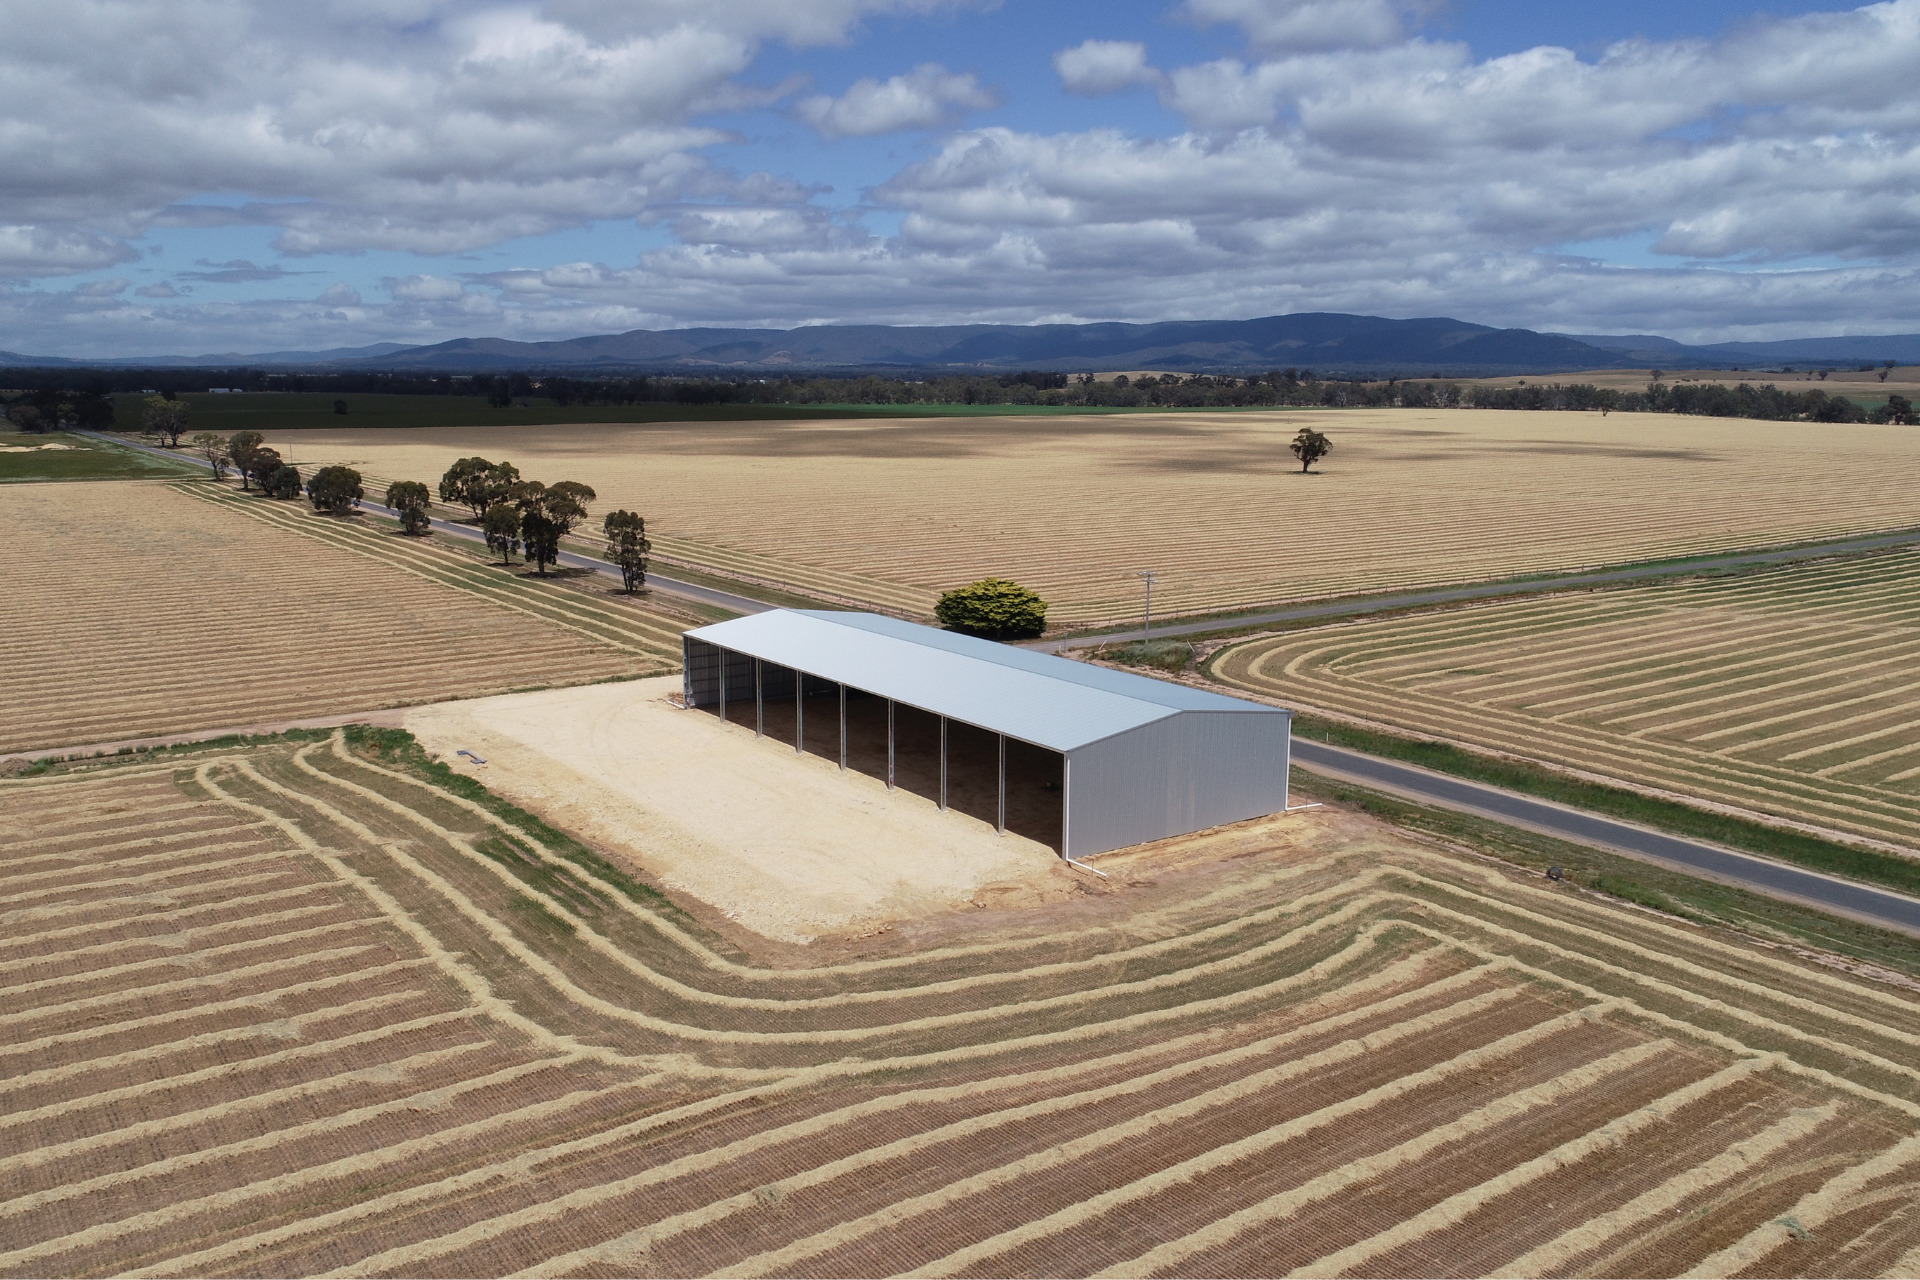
<point>235,359</point>
<point>1329,343</point>
<point>1647,349</point>
<point>1323,341</point>
<point>14,360</point>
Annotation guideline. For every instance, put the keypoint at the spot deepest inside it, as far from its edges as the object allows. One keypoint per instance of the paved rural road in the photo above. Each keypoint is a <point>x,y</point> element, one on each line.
<point>1762,875</point>
<point>1489,590</point>
<point>1774,879</point>
<point>668,586</point>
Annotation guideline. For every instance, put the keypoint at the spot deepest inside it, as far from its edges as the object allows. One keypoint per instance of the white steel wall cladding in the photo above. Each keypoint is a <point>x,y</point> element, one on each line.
<point>1195,770</point>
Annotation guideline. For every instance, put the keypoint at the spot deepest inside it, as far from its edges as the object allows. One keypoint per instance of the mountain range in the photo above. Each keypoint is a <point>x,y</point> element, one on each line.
<point>1329,343</point>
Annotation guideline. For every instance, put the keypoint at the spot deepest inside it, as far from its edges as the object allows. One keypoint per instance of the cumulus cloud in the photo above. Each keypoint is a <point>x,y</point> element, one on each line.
<point>412,125</point>
<point>1305,25</point>
<point>1104,66</point>
<point>927,98</point>
<point>1334,159</point>
<point>425,289</point>
<point>50,251</point>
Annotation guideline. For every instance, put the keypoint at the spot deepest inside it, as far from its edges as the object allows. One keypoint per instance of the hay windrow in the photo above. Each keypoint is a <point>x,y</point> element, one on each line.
<point>431,1105</point>
<point>1591,1237</point>
<point>1291,1202</point>
<point>1451,1211</point>
<point>1810,1213</point>
<point>1783,691</point>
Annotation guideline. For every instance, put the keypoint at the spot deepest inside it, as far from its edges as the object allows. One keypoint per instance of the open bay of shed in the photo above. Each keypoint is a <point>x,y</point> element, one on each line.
<point>785,844</point>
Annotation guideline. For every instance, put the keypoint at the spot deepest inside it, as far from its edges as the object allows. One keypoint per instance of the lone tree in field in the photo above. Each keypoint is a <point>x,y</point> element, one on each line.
<point>547,515</point>
<point>411,499</point>
<point>335,490</point>
<point>627,542</point>
<point>501,524</point>
<point>281,482</point>
<point>164,418</point>
<point>994,609</point>
<point>1310,446</point>
<point>214,450</point>
<point>241,448</point>
<point>477,484</point>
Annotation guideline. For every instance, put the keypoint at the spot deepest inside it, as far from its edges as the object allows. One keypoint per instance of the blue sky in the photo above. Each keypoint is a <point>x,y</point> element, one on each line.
<point>220,175</point>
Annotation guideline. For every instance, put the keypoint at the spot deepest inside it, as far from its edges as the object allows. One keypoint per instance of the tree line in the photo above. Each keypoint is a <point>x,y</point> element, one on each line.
<point>513,514</point>
<point>1766,402</point>
<point>53,409</point>
<point>49,407</point>
<point>533,518</point>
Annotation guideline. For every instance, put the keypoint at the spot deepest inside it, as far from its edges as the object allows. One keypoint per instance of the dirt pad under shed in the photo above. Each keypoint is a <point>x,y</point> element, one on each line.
<point>783,843</point>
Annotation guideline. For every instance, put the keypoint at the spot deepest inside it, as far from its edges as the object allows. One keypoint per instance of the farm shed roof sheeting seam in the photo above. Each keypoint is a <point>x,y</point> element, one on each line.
<point>1035,697</point>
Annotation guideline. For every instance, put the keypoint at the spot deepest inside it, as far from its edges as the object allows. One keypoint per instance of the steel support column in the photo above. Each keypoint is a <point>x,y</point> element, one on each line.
<point>723,683</point>
<point>889,744</point>
<point>1001,826</point>
<point>759,706</point>
<point>1066,806</point>
<point>943,764</point>
<point>799,712</point>
<point>843,728</point>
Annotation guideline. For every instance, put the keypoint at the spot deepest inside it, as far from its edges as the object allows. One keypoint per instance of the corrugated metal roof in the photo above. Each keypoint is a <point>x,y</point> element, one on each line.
<point>1036,697</point>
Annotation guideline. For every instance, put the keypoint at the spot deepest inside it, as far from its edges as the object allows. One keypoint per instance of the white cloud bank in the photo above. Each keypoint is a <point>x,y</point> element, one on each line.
<point>1338,162</point>
<point>928,98</point>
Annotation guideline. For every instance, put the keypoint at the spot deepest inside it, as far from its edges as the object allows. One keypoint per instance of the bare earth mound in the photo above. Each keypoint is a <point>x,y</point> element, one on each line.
<point>134,610</point>
<point>783,843</point>
<point>894,512</point>
<point>289,1010</point>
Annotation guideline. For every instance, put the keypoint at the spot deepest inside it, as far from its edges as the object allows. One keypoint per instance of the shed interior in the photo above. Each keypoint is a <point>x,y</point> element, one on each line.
<point>1034,792</point>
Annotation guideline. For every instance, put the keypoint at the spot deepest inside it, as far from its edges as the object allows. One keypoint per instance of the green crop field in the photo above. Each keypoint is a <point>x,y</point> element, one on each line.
<point>1789,692</point>
<point>58,456</point>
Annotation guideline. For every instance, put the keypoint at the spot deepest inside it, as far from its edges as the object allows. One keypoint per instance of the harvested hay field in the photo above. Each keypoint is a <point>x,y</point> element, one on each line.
<point>291,1009</point>
<point>892,512</point>
<point>1790,692</point>
<point>138,610</point>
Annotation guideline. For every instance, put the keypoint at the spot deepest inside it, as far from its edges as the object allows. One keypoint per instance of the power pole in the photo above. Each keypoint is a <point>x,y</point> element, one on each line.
<point>1149,577</point>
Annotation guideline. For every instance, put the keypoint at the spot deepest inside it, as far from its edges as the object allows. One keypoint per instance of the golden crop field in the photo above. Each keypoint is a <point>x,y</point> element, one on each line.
<point>892,512</point>
<point>139,609</point>
<point>1794,691</point>
<point>289,1009</point>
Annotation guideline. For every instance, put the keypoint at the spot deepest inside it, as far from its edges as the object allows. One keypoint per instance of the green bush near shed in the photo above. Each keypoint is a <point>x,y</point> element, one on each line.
<point>993,609</point>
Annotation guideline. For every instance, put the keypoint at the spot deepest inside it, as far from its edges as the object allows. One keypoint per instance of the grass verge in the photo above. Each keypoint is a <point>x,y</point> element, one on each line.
<point>1161,655</point>
<point>1854,862</point>
<point>79,458</point>
<point>1704,902</point>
